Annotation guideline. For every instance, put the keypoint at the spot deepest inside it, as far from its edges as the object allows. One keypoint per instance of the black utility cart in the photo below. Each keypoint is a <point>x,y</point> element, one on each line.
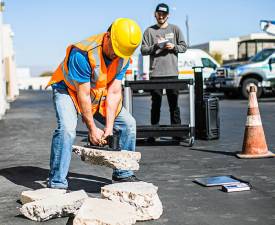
<point>186,131</point>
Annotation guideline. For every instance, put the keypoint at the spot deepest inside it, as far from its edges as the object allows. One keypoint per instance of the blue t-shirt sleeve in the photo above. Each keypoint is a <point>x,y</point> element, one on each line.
<point>79,67</point>
<point>121,74</point>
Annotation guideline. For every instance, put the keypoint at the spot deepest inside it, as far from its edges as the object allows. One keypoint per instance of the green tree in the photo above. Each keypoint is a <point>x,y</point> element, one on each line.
<point>218,57</point>
<point>46,74</point>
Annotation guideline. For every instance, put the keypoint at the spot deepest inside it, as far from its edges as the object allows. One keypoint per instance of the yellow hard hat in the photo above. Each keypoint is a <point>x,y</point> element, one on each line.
<point>125,36</point>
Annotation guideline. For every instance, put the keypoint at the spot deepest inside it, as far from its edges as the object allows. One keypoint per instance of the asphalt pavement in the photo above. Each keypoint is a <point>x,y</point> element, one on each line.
<point>25,136</point>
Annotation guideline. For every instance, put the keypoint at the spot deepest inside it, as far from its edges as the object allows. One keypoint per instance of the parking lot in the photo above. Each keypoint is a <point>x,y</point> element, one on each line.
<point>25,137</point>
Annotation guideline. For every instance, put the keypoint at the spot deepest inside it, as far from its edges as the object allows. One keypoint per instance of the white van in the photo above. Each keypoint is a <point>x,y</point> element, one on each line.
<point>196,57</point>
<point>139,66</point>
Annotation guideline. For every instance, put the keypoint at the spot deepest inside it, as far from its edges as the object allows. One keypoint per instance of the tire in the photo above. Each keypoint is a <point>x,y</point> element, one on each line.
<point>245,86</point>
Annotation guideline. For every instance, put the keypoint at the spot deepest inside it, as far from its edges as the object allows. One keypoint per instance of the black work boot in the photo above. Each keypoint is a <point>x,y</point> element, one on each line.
<point>132,178</point>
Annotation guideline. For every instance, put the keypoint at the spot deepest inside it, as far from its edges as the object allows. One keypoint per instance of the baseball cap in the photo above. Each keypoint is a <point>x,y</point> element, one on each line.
<point>162,8</point>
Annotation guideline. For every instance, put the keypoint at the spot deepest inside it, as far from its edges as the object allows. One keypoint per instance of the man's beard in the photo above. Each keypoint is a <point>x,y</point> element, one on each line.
<point>163,21</point>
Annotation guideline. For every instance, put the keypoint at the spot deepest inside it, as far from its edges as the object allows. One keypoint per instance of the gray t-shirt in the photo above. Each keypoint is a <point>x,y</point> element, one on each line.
<point>163,62</point>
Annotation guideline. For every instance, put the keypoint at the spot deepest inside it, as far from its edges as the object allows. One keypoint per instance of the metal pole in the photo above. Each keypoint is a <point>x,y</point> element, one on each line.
<point>187,30</point>
<point>192,105</point>
<point>128,99</point>
<point>192,110</point>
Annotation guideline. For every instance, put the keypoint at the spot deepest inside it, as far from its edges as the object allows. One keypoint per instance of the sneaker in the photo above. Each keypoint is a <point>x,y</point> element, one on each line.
<point>151,140</point>
<point>60,188</point>
<point>132,178</point>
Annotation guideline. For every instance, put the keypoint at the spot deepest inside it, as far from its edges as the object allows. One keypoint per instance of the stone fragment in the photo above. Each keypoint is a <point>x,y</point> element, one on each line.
<point>56,206</point>
<point>34,195</point>
<point>96,211</point>
<point>124,160</point>
<point>141,195</point>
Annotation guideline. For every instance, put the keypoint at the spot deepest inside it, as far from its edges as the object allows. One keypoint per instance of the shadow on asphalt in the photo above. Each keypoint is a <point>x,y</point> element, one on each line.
<point>214,151</point>
<point>143,142</point>
<point>168,142</point>
<point>35,178</point>
<point>69,222</point>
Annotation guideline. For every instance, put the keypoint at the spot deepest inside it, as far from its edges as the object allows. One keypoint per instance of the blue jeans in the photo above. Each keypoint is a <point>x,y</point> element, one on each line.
<point>65,133</point>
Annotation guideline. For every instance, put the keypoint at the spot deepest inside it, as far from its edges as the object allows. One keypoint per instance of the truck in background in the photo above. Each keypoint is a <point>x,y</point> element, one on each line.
<point>254,65</point>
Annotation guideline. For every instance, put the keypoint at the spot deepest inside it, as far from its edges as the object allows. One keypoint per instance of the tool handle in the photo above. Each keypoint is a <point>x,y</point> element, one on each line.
<point>112,142</point>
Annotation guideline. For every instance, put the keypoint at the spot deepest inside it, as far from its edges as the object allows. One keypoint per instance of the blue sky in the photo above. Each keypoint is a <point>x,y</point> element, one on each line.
<point>43,29</point>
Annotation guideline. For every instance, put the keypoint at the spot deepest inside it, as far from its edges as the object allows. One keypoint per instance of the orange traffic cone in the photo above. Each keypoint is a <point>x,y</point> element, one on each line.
<point>254,143</point>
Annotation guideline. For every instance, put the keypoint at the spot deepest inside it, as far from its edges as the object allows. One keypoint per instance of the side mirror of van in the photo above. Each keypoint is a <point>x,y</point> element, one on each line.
<point>214,67</point>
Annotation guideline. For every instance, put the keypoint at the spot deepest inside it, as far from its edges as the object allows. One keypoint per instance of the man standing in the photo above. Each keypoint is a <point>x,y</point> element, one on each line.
<point>163,42</point>
<point>88,82</point>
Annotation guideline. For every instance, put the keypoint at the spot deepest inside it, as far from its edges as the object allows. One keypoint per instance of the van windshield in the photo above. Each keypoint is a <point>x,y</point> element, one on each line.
<point>261,56</point>
<point>208,63</point>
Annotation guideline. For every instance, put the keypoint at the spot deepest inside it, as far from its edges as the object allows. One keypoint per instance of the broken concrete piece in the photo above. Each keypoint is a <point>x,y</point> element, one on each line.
<point>96,211</point>
<point>124,160</point>
<point>56,206</point>
<point>143,196</point>
<point>34,195</point>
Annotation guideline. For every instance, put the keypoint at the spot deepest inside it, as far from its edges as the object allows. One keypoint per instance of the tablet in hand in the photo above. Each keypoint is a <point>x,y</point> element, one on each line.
<point>162,43</point>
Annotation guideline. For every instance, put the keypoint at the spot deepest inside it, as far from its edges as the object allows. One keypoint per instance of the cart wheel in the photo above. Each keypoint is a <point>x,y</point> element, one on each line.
<point>188,142</point>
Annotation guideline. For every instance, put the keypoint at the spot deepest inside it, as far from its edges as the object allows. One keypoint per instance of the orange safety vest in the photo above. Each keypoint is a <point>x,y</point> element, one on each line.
<point>101,76</point>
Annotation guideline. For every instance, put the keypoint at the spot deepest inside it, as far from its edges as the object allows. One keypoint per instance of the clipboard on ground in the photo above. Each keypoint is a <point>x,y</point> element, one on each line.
<point>219,181</point>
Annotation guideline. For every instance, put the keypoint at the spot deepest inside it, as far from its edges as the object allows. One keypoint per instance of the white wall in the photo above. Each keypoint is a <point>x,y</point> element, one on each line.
<point>3,103</point>
<point>23,72</point>
<point>9,63</point>
<point>228,48</point>
<point>26,81</point>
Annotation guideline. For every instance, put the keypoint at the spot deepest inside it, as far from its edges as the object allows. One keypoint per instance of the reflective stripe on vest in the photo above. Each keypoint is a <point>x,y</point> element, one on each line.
<point>96,70</point>
<point>66,75</point>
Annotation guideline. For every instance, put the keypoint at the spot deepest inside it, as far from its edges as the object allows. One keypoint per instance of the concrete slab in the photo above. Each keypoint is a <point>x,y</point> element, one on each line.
<point>141,195</point>
<point>55,206</point>
<point>35,195</point>
<point>122,160</point>
<point>95,211</point>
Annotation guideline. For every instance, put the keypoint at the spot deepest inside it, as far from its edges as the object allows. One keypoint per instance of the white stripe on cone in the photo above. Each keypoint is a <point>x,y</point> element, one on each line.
<point>253,120</point>
<point>253,103</point>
